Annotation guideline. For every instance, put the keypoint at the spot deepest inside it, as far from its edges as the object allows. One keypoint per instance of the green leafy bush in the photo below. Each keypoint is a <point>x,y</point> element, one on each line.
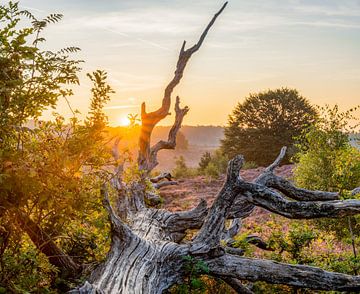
<point>327,161</point>
<point>204,160</point>
<point>49,172</point>
<point>196,280</point>
<point>181,170</point>
<point>213,165</point>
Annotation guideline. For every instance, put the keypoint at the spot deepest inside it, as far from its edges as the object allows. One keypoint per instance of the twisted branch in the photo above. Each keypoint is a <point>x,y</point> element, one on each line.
<point>150,119</point>
<point>280,273</point>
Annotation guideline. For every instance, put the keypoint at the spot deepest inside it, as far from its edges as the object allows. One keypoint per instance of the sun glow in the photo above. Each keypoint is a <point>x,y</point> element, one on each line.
<point>123,121</point>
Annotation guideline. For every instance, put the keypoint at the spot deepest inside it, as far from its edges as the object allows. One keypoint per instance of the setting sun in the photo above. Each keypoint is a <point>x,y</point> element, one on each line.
<point>101,173</point>
<point>123,121</point>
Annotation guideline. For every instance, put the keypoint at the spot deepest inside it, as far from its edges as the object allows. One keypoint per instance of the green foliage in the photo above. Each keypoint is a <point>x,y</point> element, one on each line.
<point>212,165</point>
<point>51,172</point>
<point>241,242</point>
<point>193,269</point>
<point>300,242</point>
<point>30,79</point>
<point>249,165</point>
<point>264,122</point>
<point>181,170</point>
<point>25,270</point>
<point>327,161</point>
<point>291,246</point>
<point>204,160</point>
<point>196,280</point>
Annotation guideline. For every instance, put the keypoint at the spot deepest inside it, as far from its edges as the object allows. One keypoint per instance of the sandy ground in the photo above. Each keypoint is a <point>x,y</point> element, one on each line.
<point>188,192</point>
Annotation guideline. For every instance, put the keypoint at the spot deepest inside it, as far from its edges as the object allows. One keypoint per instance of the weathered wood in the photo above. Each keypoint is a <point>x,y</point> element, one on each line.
<point>171,142</point>
<point>280,273</point>
<point>148,246</point>
<point>150,119</point>
<point>208,238</point>
<point>269,199</point>
<point>150,259</point>
<point>161,177</point>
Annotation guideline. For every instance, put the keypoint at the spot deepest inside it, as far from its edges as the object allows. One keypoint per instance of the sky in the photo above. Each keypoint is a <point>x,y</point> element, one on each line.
<point>254,46</point>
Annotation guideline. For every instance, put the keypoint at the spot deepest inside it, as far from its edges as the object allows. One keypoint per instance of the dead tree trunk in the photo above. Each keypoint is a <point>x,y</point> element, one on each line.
<point>147,250</point>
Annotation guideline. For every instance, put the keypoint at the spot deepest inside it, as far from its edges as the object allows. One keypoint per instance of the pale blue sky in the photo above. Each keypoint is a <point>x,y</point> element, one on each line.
<point>255,45</point>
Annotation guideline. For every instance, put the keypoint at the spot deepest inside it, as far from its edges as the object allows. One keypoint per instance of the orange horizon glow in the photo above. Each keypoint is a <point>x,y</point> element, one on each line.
<point>253,47</point>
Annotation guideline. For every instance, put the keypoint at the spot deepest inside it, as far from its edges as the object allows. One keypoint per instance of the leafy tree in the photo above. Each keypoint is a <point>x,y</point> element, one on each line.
<point>49,174</point>
<point>264,122</point>
<point>327,161</point>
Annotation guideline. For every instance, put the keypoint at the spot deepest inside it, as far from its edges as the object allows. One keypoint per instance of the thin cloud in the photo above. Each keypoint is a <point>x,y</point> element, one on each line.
<point>334,10</point>
<point>328,24</point>
<point>32,8</point>
<point>120,107</point>
<point>138,39</point>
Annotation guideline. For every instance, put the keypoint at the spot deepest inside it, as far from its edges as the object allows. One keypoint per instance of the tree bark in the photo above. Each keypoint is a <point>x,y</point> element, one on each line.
<point>46,245</point>
<point>148,246</point>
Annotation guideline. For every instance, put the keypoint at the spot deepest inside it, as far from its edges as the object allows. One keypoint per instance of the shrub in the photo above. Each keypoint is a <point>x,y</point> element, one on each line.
<point>213,165</point>
<point>327,161</point>
<point>181,170</point>
<point>204,160</point>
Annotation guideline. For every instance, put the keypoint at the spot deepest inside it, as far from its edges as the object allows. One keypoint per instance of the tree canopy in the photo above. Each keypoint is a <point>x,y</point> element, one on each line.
<point>264,122</point>
<point>49,172</point>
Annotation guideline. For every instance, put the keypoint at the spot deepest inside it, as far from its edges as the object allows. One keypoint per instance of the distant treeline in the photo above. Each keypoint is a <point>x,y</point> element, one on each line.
<point>196,135</point>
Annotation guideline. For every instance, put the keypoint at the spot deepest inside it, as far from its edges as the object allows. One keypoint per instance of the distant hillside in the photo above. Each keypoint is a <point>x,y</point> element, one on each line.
<point>208,136</point>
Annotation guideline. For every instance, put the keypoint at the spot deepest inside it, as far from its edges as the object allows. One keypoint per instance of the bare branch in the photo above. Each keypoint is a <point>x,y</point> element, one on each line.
<point>289,190</point>
<point>232,230</point>
<point>280,273</point>
<point>208,237</point>
<point>269,179</point>
<point>153,199</point>
<point>149,120</point>
<point>355,191</point>
<point>191,219</point>
<point>241,208</point>
<point>234,250</point>
<point>115,149</point>
<point>277,161</point>
<point>258,242</point>
<point>164,184</point>
<point>171,142</point>
<point>160,177</point>
<point>184,56</point>
<point>271,200</point>
<point>118,227</point>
